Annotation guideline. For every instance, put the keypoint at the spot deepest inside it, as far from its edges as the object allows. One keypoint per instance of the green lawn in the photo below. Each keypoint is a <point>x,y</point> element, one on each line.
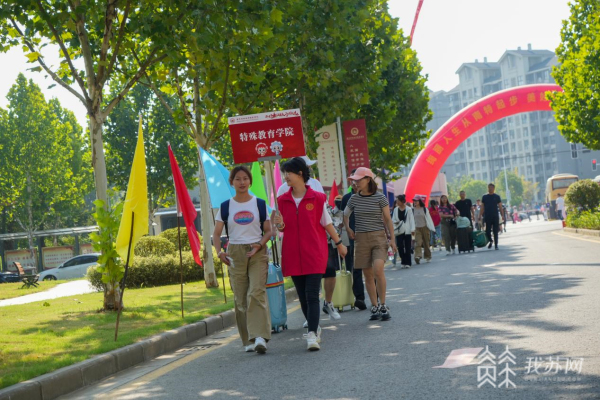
<point>11,290</point>
<point>37,338</point>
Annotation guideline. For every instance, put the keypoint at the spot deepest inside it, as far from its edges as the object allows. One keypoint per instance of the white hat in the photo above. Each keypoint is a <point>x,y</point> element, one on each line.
<point>308,161</point>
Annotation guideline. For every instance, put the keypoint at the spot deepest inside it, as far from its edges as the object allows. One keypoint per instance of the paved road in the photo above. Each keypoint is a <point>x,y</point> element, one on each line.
<point>538,295</point>
<point>72,288</point>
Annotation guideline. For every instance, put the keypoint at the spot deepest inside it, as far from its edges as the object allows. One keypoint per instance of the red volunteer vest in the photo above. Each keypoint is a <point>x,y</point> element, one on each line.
<point>304,248</point>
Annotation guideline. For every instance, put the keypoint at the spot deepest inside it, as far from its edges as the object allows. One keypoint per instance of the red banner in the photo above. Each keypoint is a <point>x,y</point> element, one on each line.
<point>263,135</point>
<point>355,144</point>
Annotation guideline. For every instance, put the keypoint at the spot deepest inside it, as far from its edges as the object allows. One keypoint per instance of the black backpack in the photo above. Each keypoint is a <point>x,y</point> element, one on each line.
<point>262,212</point>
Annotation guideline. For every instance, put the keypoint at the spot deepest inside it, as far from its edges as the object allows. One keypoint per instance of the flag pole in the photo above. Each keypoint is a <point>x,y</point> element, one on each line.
<point>180,256</point>
<point>124,277</point>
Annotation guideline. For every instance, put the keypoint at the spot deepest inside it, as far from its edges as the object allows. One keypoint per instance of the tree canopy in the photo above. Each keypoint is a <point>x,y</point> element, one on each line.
<point>577,109</point>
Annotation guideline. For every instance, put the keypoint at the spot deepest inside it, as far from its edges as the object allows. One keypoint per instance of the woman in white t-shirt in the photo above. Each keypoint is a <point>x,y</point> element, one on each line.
<point>247,259</point>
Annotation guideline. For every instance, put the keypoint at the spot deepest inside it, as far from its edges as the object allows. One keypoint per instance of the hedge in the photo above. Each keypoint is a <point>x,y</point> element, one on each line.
<point>584,219</point>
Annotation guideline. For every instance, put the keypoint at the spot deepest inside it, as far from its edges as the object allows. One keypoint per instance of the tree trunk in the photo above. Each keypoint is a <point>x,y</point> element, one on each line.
<point>112,297</point>
<point>30,225</point>
<point>98,160</point>
<point>210,277</point>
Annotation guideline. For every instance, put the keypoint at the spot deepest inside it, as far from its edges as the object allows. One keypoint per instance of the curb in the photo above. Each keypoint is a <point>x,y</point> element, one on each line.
<point>583,232</point>
<point>68,379</point>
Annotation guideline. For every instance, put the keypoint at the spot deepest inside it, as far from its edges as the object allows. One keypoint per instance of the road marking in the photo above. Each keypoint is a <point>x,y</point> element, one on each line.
<point>577,237</point>
<point>157,373</point>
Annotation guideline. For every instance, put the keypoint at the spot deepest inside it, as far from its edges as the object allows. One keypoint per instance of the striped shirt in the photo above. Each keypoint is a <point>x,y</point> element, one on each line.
<point>368,211</point>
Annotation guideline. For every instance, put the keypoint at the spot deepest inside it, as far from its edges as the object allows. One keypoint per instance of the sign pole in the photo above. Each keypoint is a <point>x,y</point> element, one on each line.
<point>342,157</point>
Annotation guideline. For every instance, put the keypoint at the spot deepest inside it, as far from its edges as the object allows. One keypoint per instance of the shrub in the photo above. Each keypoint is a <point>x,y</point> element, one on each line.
<point>154,246</point>
<point>154,271</point>
<point>171,236</point>
<point>584,219</point>
<point>583,195</point>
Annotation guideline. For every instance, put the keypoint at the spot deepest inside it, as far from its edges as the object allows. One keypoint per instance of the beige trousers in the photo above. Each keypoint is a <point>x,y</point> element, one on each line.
<point>249,283</point>
<point>422,239</point>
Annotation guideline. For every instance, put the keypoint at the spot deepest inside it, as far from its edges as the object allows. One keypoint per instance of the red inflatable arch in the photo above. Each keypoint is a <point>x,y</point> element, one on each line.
<point>468,121</point>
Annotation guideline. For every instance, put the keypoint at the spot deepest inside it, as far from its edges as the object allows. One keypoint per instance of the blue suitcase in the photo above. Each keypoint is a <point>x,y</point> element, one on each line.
<point>276,295</point>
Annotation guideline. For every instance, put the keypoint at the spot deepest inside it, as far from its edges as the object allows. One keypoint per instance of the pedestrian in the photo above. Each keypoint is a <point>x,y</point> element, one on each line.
<point>505,218</point>
<point>305,222</point>
<point>448,214</point>
<point>465,207</point>
<point>358,286</point>
<point>247,259</point>
<point>423,228</point>
<point>333,261</point>
<point>372,215</point>
<point>312,182</point>
<point>404,230</point>
<point>436,237</point>
<point>477,213</point>
<point>560,206</point>
<point>491,206</point>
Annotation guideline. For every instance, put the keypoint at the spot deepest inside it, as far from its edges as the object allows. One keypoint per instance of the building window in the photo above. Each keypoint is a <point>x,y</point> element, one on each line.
<point>518,133</point>
<point>574,153</point>
<point>484,164</point>
<point>471,166</point>
<point>525,132</point>
<point>513,82</point>
<point>520,81</point>
<point>512,135</point>
<point>482,152</point>
<point>524,118</point>
<point>529,170</point>
<point>481,141</point>
<point>485,176</point>
<point>470,154</point>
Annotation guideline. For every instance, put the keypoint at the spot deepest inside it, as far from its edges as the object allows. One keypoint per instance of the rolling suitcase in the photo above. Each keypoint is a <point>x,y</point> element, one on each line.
<point>276,293</point>
<point>479,238</point>
<point>342,294</point>
<point>464,239</point>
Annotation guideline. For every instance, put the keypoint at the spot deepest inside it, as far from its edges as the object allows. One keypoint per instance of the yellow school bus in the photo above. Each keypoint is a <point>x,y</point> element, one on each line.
<point>555,185</point>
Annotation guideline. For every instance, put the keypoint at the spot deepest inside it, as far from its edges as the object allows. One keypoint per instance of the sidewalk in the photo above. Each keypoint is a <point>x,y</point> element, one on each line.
<point>73,288</point>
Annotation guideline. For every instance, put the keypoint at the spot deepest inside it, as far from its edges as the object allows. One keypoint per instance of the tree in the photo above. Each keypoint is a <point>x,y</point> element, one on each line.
<point>99,36</point>
<point>577,109</point>
<point>98,42</point>
<point>515,184</point>
<point>583,195</point>
<point>472,187</point>
<point>530,190</point>
<point>40,150</point>
<point>159,129</point>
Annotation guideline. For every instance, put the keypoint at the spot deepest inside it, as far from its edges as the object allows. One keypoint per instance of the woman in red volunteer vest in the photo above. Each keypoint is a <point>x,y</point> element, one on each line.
<point>303,217</point>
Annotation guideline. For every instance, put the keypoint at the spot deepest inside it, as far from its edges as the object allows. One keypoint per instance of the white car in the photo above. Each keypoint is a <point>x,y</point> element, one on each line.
<point>75,267</point>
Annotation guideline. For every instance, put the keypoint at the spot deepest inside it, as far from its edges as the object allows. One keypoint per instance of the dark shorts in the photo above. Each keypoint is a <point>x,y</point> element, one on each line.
<point>333,263</point>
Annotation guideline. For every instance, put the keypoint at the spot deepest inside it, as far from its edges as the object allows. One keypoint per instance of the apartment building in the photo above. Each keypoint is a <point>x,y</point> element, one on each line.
<point>528,142</point>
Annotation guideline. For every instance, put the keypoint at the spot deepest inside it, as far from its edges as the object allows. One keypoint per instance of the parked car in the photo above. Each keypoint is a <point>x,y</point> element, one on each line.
<point>75,267</point>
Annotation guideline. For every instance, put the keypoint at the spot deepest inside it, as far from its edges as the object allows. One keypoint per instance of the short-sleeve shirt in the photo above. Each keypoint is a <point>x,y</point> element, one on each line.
<point>312,182</point>
<point>560,203</point>
<point>368,211</point>
<point>490,203</point>
<point>243,223</point>
<point>435,216</point>
<point>464,207</point>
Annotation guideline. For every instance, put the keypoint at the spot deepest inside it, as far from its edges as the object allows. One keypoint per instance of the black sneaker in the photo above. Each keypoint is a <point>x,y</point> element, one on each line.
<point>375,313</point>
<point>496,247</point>
<point>490,245</point>
<point>325,310</point>
<point>385,312</point>
<point>360,304</point>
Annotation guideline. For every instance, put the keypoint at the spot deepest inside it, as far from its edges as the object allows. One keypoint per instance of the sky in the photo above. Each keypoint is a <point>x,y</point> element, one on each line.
<point>448,33</point>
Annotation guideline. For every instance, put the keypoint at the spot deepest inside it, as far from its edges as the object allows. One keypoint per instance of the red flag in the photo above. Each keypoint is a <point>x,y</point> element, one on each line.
<point>333,194</point>
<point>186,207</point>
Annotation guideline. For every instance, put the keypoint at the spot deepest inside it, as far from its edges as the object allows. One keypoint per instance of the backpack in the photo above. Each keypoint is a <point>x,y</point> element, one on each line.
<point>262,212</point>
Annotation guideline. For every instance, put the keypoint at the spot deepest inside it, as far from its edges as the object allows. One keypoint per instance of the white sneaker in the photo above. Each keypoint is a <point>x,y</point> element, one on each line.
<point>319,334</point>
<point>448,253</point>
<point>305,325</point>
<point>453,251</point>
<point>249,348</point>
<point>333,313</point>
<point>428,260</point>
<point>312,342</point>
<point>260,345</point>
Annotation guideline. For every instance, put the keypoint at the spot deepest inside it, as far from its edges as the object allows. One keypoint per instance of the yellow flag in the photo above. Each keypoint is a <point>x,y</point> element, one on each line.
<point>136,203</point>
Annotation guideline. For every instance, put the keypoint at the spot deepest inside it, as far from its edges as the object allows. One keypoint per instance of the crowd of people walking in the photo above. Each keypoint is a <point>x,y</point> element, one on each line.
<point>360,229</point>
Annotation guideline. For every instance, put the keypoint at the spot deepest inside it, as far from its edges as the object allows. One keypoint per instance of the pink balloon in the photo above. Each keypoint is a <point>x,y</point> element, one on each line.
<point>468,121</point>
